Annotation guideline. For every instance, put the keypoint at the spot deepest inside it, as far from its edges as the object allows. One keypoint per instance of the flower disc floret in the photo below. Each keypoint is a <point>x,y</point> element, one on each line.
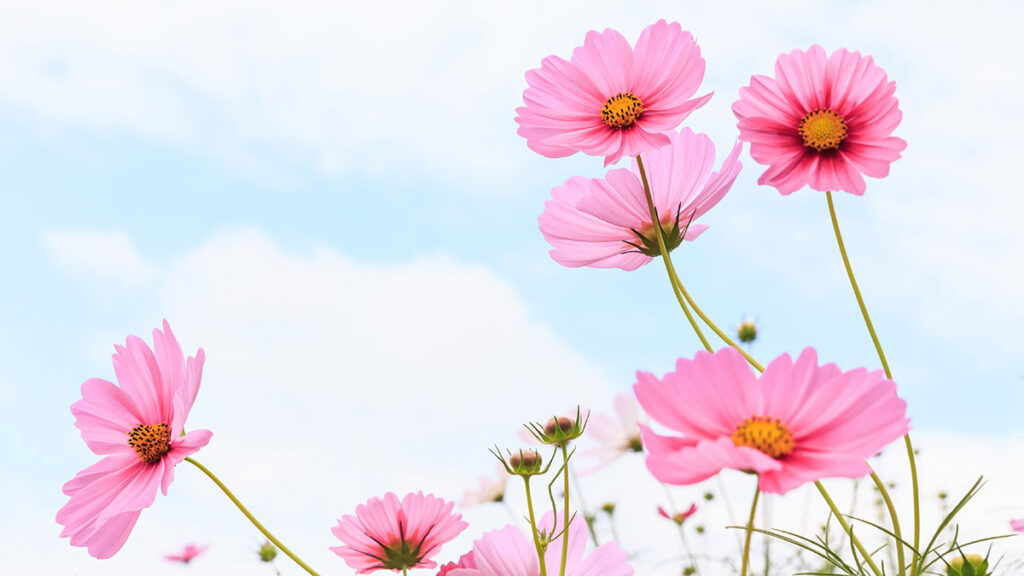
<point>611,99</point>
<point>823,121</point>
<point>796,423</point>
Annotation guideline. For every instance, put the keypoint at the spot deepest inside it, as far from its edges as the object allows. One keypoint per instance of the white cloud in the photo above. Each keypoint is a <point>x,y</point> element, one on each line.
<point>97,256</point>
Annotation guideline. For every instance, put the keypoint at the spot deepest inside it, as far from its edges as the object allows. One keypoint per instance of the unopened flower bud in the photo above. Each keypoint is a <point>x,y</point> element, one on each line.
<point>559,431</point>
<point>975,566</point>
<point>267,552</point>
<point>525,462</point>
<point>609,508</point>
<point>747,331</point>
<point>564,425</point>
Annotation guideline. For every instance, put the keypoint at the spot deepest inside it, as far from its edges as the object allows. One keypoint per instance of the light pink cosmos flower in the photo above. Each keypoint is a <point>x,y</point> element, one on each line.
<point>465,561</point>
<point>490,490</point>
<point>797,423</point>
<point>616,434</point>
<point>823,121</point>
<point>606,223</point>
<point>1017,525</point>
<point>187,554</point>
<point>388,534</point>
<point>509,552</point>
<point>137,425</point>
<point>610,99</point>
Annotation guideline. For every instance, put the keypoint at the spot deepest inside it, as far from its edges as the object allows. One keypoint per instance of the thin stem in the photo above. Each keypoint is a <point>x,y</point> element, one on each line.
<point>664,255</point>
<point>584,508</point>
<point>252,518</point>
<point>888,374</point>
<point>672,511</point>
<point>565,510</point>
<point>714,328</point>
<point>750,532</point>
<point>846,528</point>
<point>900,559</point>
<point>533,528</point>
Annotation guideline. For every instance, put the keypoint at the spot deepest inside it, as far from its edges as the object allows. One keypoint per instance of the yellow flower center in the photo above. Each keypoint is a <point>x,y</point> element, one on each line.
<point>621,111</point>
<point>766,434</point>
<point>151,442</point>
<point>823,130</point>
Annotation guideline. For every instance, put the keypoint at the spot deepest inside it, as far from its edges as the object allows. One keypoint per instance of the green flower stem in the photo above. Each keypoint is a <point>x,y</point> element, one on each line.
<point>888,374</point>
<point>565,509</point>
<point>846,528</point>
<point>533,528</point>
<point>664,255</point>
<point>584,508</point>
<point>900,559</point>
<point>252,518</point>
<point>714,328</point>
<point>750,532</point>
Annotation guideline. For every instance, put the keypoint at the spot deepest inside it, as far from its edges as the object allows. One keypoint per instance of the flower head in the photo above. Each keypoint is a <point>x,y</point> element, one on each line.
<point>491,489</point>
<point>611,99</point>
<point>616,434</point>
<point>138,426</point>
<point>1017,525</point>
<point>822,121</point>
<point>797,423</point>
<point>679,517</point>
<point>389,534</point>
<point>187,554</point>
<point>606,222</point>
<point>508,552</point>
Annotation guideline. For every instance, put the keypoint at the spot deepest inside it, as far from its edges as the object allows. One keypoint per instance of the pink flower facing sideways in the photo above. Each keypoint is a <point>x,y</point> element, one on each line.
<point>616,434</point>
<point>610,99</point>
<point>490,490</point>
<point>822,121</point>
<point>606,222</point>
<point>137,427</point>
<point>391,534</point>
<point>798,422</point>
<point>187,554</point>
<point>509,552</point>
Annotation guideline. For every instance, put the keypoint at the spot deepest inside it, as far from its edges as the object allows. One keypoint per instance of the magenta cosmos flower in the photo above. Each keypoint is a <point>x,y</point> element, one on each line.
<point>137,425</point>
<point>610,99</point>
<point>797,423</point>
<point>508,552</point>
<point>606,223</point>
<point>388,534</point>
<point>823,121</point>
<point>187,554</point>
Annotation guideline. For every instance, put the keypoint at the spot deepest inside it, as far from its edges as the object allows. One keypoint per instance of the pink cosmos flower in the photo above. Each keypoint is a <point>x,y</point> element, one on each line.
<point>823,121</point>
<point>616,434</point>
<point>509,552</point>
<point>679,517</point>
<point>388,534</point>
<point>137,425</point>
<point>465,561</point>
<point>606,223</point>
<point>490,490</point>
<point>1017,525</point>
<point>610,99</point>
<point>797,423</point>
<point>187,554</point>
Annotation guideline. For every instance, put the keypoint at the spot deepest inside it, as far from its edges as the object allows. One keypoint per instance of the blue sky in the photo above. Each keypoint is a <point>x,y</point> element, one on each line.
<point>335,205</point>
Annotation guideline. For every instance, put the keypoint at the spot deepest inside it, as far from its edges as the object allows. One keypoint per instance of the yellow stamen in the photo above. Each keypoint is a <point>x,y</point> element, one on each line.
<point>823,130</point>
<point>622,111</point>
<point>766,434</point>
<point>151,442</point>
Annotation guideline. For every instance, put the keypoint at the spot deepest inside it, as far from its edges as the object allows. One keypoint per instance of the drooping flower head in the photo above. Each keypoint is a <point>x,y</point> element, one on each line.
<point>606,222</point>
<point>508,552</point>
<point>610,99</point>
<point>137,425</point>
<point>391,534</point>
<point>616,434</point>
<point>490,490</point>
<point>797,423</point>
<point>822,121</point>
<point>187,554</point>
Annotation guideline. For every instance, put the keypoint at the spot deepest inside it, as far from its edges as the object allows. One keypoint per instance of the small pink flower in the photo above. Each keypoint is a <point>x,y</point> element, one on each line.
<point>823,121</point>
<point>1017,525</point>
<point>616,434</point>
<point>491,489</point>
<point>610,99</point>
<point>606,223</point>
<point>465,561</point>
<point>388,534</point>
<point>137,426</point>
<point>679,517</point>
<point>185,556</point>
<point>508,552</point>
<point>797,423</point>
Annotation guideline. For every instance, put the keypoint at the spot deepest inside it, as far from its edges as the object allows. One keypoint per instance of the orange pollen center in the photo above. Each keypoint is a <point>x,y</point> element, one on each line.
<point>151,442</point>
<point>621,111</point>
<point>823,130</point>
<point>765,434</point>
